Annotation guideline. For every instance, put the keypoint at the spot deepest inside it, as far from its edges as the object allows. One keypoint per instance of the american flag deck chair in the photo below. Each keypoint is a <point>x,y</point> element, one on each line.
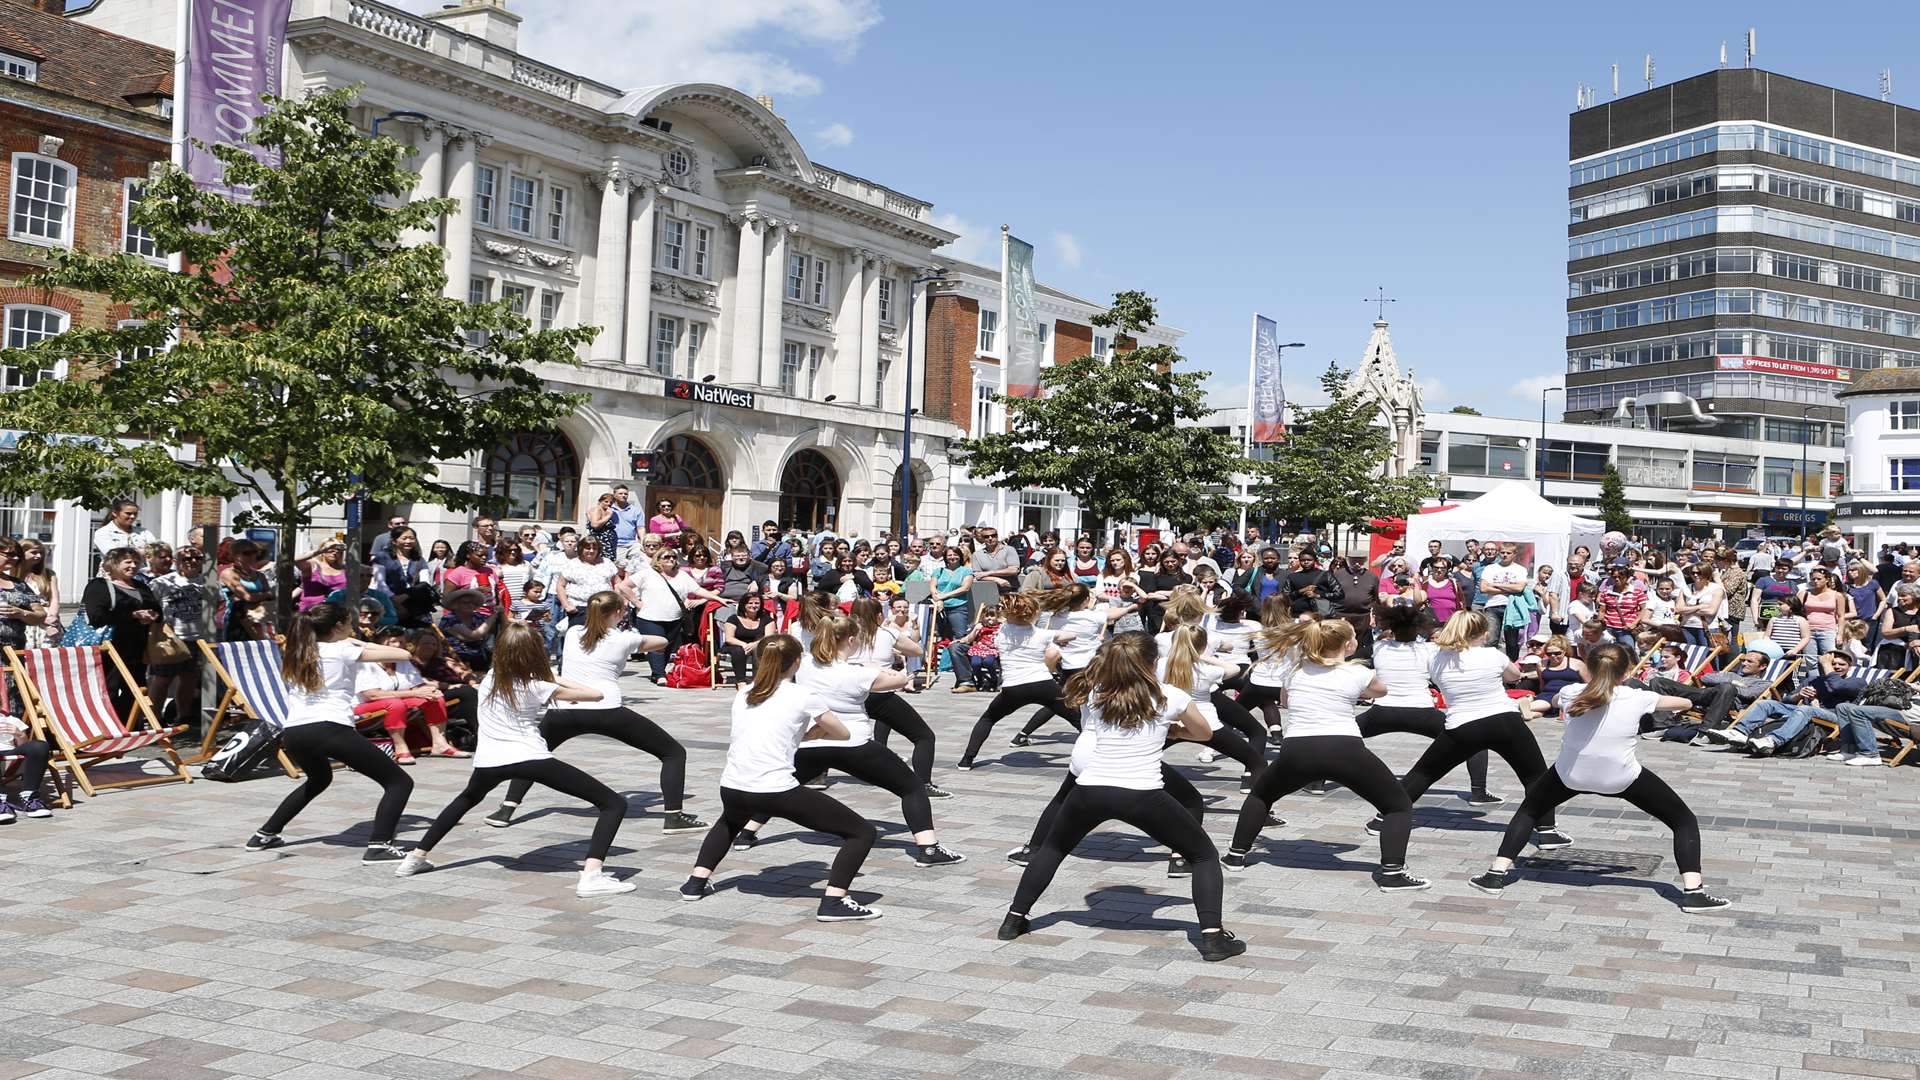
<point>249,674</point>
<point>64,694</point>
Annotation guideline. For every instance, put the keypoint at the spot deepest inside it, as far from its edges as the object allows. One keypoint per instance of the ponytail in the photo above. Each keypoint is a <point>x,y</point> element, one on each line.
<point>1323,641</point>
<point>774,661</point>
<point>1183,654</point>
<point>1119,682</point>
<point>1065,598</point>
<point>604,610</point>
<point>1463,631</point>
<point>1183,608</point>
<point>1020,609</point>
<point>831,634</point>
<point>816,605</point>
<point>1607,666</point>
<point>300,656</point>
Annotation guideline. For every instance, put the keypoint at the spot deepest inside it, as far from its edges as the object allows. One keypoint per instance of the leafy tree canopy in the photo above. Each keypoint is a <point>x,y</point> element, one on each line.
<point>1328,471</point>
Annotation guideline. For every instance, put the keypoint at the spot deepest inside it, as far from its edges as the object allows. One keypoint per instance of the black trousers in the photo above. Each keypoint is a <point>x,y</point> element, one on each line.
<point>1346,761</point>
<point>314,748</point>
<point>1239,718</point>
<point>876,765</point>
<point>1228,742</point>
<point>1715,702</point>
<point>1384,719</point>
<point>463,703</point>
<point>1155,813</point>
<point>1043,714</point>
<point>1178,786</point>
<point>1010,700</point>
<point>1505,734</point>
<point>1264,698</point>
<point>814,810</point>
<point>626,726</point>
<point>33,755</point>
<point>741,660</point>
<point>891,713</point>
<point>550,772</point>
<point>1647,792</point>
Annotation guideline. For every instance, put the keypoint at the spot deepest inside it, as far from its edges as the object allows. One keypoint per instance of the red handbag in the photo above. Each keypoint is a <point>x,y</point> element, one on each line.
<point>689,669</point>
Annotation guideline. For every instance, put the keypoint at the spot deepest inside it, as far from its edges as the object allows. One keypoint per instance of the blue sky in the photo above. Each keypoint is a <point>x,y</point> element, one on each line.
<point>1241,156</point>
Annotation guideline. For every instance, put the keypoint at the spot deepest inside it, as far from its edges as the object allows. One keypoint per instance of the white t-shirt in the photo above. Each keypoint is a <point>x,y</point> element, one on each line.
<point>1129,758</point>
<point>1597,748</point>
<point>764,737</point>
<point>1712,595</point>
<point>509,729</point>
<point>1023,653</point>
<point>598,667</point>
<point>1403,667</point>
<point>1660,612</point>
<point>842,690</point>
<point>659,601</point>
<point>1214,647</point>
<point>1502,575</point>
<point>1320,699</point>
<point>404,676</point>
<point>1578,612</point>
<point>1086,628</point>
<point>1236,638</point>
<point>584,579</point>
<point>1473,684</point>
<point>879,651</point>
<point>1272,669</point>
<point>1207,676</point>
<point>333,703</point>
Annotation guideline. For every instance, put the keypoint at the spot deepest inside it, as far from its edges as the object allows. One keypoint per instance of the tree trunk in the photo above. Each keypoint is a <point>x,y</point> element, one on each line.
<point>285,579</point>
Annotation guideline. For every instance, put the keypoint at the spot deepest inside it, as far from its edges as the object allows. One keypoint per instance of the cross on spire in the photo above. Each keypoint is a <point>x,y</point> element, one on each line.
<point>1380,302</point>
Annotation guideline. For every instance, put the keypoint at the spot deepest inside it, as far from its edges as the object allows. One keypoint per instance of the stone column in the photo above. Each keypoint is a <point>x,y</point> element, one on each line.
<point>432,163</point>
<point>870,331</point>
<point>610,266</point>
<point>747,298</point>
<point>847,330</point>
<point>639,284</point>
<point>773,293</point>
<point>463,148</point>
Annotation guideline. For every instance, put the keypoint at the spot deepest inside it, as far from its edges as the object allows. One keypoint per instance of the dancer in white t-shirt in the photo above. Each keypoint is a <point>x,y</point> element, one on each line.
<point>1078,611</point>
<point>1598,757</point>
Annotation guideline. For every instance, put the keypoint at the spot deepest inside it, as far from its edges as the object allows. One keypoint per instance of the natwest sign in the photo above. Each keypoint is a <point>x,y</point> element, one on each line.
<point>1767,365</point>
<point>709,394</point>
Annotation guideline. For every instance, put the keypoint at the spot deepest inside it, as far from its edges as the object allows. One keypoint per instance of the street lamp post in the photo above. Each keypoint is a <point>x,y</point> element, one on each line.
<point>1540,451</point>
<point>1806,431</point>
<point>907,410</point>
<point>1246,444</point>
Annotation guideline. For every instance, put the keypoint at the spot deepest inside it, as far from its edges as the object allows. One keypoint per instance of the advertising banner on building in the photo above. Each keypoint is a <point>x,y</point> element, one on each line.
<point>1016,302</point>
<point>1266,397</point>
<point>231,56</point>
<point>1767,365</point>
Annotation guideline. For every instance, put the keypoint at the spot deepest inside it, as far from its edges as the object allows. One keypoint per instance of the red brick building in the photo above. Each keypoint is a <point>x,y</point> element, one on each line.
<point>84,114</point>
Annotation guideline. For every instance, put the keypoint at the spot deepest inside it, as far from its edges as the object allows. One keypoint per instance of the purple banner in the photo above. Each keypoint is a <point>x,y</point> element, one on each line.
<point>233,56</point>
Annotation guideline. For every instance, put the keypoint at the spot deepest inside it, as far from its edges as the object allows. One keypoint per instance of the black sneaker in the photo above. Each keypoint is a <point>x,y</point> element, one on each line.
<point>1699,902</point>
<point>696,889</point>
<point>383,852</point>
<point>6,812</point>
<point>1019,856</point>
<point>964,765</point>
<point>1274,822</point>
<point>681,821</point>
<point>935,791</point>
<point>1550,839</point>
<point>1374,826</point>
<point>263,841</point>
<point>1220,945</point>
<point>500,818</point>
<point>745,839</point>
<point>33,806</point>
<point>844,909</point>
<point>1235,861</point>
<point>935,855</point>
<point>1020,738</point>
<point>1013,926</point>
<point>1179,867</point>
<point>1493,881</point>
<point>1485,798</point>
<point>1400,881</point>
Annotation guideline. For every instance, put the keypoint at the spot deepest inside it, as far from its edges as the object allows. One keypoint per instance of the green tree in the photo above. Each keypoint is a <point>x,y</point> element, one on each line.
<point>1121,435</point>
<point>313,355</point>
<point>1613,502</point>
<point>1464,410</point>
<point>1328,470</point>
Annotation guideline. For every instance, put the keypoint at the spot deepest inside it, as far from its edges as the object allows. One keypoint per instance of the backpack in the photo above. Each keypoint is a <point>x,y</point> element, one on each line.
<point>1890,694</point>
<point>689,670</point>
<point>1804,745</point>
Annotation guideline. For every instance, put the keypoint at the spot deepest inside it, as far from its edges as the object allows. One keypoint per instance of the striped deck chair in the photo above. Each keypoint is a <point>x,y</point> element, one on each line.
<point>1698,658</point>
<point>716,624</point>
<point>249,674</point>
<point>1869,675</point>
<point>1779,675</point>
<point>64,693</point>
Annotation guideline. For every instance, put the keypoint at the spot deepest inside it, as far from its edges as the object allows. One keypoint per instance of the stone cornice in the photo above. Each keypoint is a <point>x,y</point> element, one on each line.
<point>804,194</point>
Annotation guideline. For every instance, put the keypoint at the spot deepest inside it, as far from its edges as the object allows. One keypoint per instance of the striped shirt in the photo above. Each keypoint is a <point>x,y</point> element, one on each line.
<point>1620,609</point>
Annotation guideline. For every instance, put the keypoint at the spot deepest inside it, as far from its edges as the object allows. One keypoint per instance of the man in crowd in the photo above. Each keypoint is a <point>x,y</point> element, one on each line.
<point>1309,588</point>
<point>1499,584</point>
<point>1358,589</point>
<point>1817,699</point>
<point>629,518</point>
<point>741,575</point>
<point>768,546</point>
<point>487,534</point>
<point>1434,551</point>
<point>996,562</point>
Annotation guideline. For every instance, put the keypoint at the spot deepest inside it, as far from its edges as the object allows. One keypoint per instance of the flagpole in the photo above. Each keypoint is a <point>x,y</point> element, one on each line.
<point>1246,440</point>
<point>177,151</point>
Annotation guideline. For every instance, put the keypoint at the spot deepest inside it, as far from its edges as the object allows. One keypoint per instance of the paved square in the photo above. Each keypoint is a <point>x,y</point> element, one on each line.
<point>141,942</point>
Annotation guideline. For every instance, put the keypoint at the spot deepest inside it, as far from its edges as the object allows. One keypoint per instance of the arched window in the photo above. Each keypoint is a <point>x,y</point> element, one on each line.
<point>686,463</point>
<point>809,492</point>
<point>538,474</point>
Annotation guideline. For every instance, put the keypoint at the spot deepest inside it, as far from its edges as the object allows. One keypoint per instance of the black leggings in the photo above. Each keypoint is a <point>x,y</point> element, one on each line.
<point>814,810</point>
<point>1241,719</point>
<point>1178,786</point>
<point>891,713</point>
<point>622,724</point>
<point>1346,761</point>
<point>1505,734</point>
<point>314,748</point>
<point>1042,714</point>
<point>1411,720</point>
<point>33,755</point>
<point>873,763</point>
<point>1155,813</point>
<point>463,703</point>
<point>1647,792</point>
<point>1011,699</point>
<point>1264,698</point>
<point>1228,742</point>
<point>551,772</point>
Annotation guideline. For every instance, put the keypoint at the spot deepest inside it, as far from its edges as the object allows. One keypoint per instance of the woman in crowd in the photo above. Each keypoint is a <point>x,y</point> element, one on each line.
<point>665,523</point>
<point>391,690</point>
<point>1700,607</point>
<point>400,563</point>
<point>188,601</point>
<point>115,601</point>
<point>1788,628</point>
<point>319,663</point>
<point>1402,660</point>
<point>700,567</point>
<point>1119,585</point>
<point>846,581</point>
<point>952,594</point>
<point>1559,669</point>
<point>1086,566</point>
<point>21,611</point>
<point>1130,718</point>
<point>471,570</point>
<point>1025,680</point>
<point>1157,585</point>
<point>1825,608</point>
<point>1053,571</point>
<point>1899,647</point>
<point>46,584</point>
<point>661,595</point>
<point>742,633</point>
<point>1442,589</point>
<point>771,719</point>
<point>603,530</point>
<point>439,560</point>
<point>248,594</point>
<point>514,696</point>
<point>513,571</point>
<point>17,746</point>
<point>321,572</point>
<point>446,673</point>
<point>1867,598</point>
<point>1598,757</point>
<point>577,580</point>
<point>594,657</point>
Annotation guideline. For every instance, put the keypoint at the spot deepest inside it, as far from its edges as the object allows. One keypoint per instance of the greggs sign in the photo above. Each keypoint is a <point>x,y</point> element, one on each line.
<point>709,394</point>
<point>1767,365</point>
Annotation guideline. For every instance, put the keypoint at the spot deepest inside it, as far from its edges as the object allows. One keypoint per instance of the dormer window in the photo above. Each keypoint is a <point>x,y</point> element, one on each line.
<point>19,67</point>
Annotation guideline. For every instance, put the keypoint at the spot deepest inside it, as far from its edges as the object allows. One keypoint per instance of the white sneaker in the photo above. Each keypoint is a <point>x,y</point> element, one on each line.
<point>414,863</point>
<point>1205,755</point>
<point>1734,736</point>
<point>1763,743</point>
<point>602,884</point>
<point>1838,755</point>
<point>1863,759</point>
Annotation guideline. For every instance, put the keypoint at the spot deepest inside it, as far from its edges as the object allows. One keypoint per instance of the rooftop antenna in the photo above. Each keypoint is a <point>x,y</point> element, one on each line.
<point>1723,54</point>
<point>1616,80</point>
<point>1753,45</point>
<point>1646,70</point>
<point>1886,84</point>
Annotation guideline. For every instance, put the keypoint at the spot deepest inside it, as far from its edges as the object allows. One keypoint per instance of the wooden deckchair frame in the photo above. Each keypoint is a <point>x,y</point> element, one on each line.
<point>230,696</point>
<point>74,758</point>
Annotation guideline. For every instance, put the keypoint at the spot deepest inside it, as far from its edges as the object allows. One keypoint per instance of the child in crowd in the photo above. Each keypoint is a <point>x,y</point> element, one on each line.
<point>1660,606</point>
<point>1670,663</point>
<point>532,607</point>
<point>982,654</point>
<point>1853,641</point>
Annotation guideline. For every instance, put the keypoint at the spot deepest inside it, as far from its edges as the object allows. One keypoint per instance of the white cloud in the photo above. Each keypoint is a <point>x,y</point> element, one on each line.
<point>975,244</point>
<point>633,43</point>
<point>1529,388</point>
<point>1433,392</point>
<point>834,135</point>
<point>1066,249</point>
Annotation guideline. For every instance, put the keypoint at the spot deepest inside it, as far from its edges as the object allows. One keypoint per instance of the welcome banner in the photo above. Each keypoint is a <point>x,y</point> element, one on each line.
<point>1016,293</point>
<point>1266,397</point>
<point>233,52</point>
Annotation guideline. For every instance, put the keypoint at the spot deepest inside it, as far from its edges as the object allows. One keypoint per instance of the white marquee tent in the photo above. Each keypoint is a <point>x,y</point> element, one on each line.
<point>1512,511</point>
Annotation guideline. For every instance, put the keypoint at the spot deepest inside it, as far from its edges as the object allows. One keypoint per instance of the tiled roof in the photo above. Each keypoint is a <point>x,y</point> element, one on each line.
<point>1885,380</point>
<point>81,61</point>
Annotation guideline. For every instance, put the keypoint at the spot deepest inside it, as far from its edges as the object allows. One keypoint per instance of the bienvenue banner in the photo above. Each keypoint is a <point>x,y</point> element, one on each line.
<point>1023,340</point>
<point>233,57</point>
<point>1266,397</point>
